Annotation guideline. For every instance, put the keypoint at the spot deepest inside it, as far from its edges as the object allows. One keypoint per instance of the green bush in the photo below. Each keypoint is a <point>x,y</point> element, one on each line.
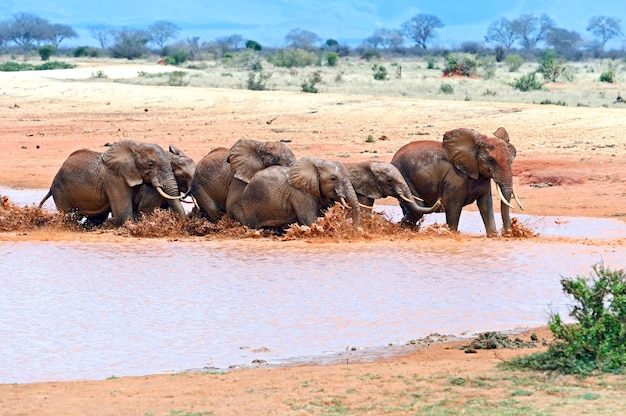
<point>608,76</point>
<point>463,64</point>
<point>308,85</point>
<point>431,62</point>
<point>292,58</point>
<point>514,62</point>
<point>596,341</point>
<point>528,82</point>
<point>332,58</point>
<point>370,54</point>
<point>46,51</point>
<point>550,66</point>
<point>446,88</point>
<point>488,66</point>
<point>380,72</point>
<point>257,81</point>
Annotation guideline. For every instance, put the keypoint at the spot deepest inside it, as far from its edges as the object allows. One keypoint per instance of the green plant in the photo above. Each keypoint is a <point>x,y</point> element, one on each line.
<point>258,81</point>
<point>608,76</point>
<point>100,74</point>
<point>292,58</point>
<point>380,72</point>
<point>431,62</point>
<point>177,79</point>
<point>596,341</point>
<point>548,101</point>
<point>308,85</point>
<point>528,82</point>
<point>332,58</point>
<point>446,88</point>
<point>514,62</point>
<point>370,139</point>
<point>488,65</point>
<point>370,54</point>
<point>46,51</point>
<point>550,66</point>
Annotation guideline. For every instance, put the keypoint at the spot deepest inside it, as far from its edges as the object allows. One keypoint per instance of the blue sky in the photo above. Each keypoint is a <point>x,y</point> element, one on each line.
<point>349,22</point>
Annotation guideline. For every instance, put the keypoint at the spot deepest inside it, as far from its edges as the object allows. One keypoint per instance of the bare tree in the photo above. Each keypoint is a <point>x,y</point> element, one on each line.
<point>4,33</point>
<point>605,28</point>
<point>531,29</point>
<point>502,33</point>
<point>386,38</point>
<point>301,38</point>
<point>27,29</point>
<point>566,43</point>
<point>102,34</point>
<point>421,28</point>
<point>58,32</point>
<point>162,31</point>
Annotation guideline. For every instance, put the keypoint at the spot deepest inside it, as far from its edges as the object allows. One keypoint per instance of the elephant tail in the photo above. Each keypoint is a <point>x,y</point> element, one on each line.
<point>45,198</point>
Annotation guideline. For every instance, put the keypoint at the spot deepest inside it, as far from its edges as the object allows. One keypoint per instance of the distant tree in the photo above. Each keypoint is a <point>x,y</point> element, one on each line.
<point>56,33</point>
<point>254,45</point>
<point>421,28</point>
<point>301,39</point>
<point>531,29</point>
<point>27,29</point>
<point>501,33</point>
<point>102,34</point>
<point>130,43</point>
<point>4,33</point>
<point>230,43</point>
<point>566,43</point>
<point>605,28</point>
<point>386,38</point>
<point>332,43</point>
<point>162,31</point>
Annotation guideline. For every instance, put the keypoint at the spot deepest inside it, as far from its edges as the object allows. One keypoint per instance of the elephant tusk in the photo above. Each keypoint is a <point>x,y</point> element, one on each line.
<point>518,201</point>
<point>502,198</point>
<point>344,203</point>
<point>164,195</point>
<point>417,198</point>
<point>405,199</point>
<point>365,206</point>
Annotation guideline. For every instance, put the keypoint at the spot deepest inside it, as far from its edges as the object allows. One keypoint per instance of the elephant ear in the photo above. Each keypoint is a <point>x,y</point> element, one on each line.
<point>245,159</point>
<point>460,147</point>
<point>304,175</point>
<point>175,150</point>
<point>120,159</point>
<point>367,183</point>
<point>503,135</point>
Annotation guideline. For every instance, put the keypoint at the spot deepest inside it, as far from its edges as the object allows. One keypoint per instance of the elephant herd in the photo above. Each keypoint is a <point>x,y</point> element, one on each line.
<point>264,185</point>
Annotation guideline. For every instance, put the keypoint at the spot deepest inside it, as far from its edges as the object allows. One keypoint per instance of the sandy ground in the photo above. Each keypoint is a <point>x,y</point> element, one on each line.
<point>571,162</point>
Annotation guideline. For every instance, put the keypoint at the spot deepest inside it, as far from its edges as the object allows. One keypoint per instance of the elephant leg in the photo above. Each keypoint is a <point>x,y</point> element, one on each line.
<point>453,214</point>
<point>485,207</point>
<point>411,218</point>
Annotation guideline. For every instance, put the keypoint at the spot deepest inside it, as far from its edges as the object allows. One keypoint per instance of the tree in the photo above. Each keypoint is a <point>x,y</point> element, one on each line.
<point>4,33</point>
<point>162,31</point>
<point>566,43</point>
<point>605,28</point>
<point>531,29</point>
<point>254,45</point>
<point>386,38</point>
<point>102,34</point>
<point>57,32</point>
<point>130,43</point>
<point>229,43</point>
<point>502,33</point>
<point>421,28</point>
<point>301,39</point>
<point>27,29</point>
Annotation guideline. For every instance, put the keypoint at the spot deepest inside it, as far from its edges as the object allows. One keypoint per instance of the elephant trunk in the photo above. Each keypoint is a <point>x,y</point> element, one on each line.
<point>170,187</point>
<point>353,202</point>
<point>505,192</point>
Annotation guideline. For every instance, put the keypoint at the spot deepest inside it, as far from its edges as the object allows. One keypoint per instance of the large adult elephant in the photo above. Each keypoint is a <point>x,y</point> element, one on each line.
<point>459,171</point>
<point>221,175</point>
<point>147,198</point>
<point>93,184</point>
<point>278,196</point>
<point>372,180</point>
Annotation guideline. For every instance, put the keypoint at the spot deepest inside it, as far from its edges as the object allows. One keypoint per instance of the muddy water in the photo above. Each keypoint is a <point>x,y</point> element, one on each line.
<point>72,310</point>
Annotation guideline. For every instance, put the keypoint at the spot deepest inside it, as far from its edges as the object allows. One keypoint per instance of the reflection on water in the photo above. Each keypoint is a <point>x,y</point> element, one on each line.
<point>75,310</point>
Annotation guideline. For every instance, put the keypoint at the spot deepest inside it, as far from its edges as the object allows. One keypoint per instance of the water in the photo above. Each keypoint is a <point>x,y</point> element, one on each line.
<point>76,310</point>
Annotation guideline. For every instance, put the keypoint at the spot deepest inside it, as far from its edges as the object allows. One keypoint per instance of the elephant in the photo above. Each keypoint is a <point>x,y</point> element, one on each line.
<point>93,184</point>
<point>221,175</point>
<point>459,171</point>
<point>372,180</point>
<point>279,196</point>
<point>147,198</point>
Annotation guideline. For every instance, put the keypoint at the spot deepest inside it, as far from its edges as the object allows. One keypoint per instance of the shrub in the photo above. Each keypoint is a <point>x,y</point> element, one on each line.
<point>608,76</point>
<point>332,58</point>
<point>488,65</point>
<point>308,85</point>
<point>292,58</point>
<point>380,72</point>
<point>514,62</point>
<point>528,82</point>
<point>254,45</point>
<point>550,66</point>
<point>597,340</point>
<point>446,88</point>
<point>370,54</point>
<point>46,51</point>
<point>258,81</point>
<point>431,62</point>
<point>460,64</point>
<point>85,51</point>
